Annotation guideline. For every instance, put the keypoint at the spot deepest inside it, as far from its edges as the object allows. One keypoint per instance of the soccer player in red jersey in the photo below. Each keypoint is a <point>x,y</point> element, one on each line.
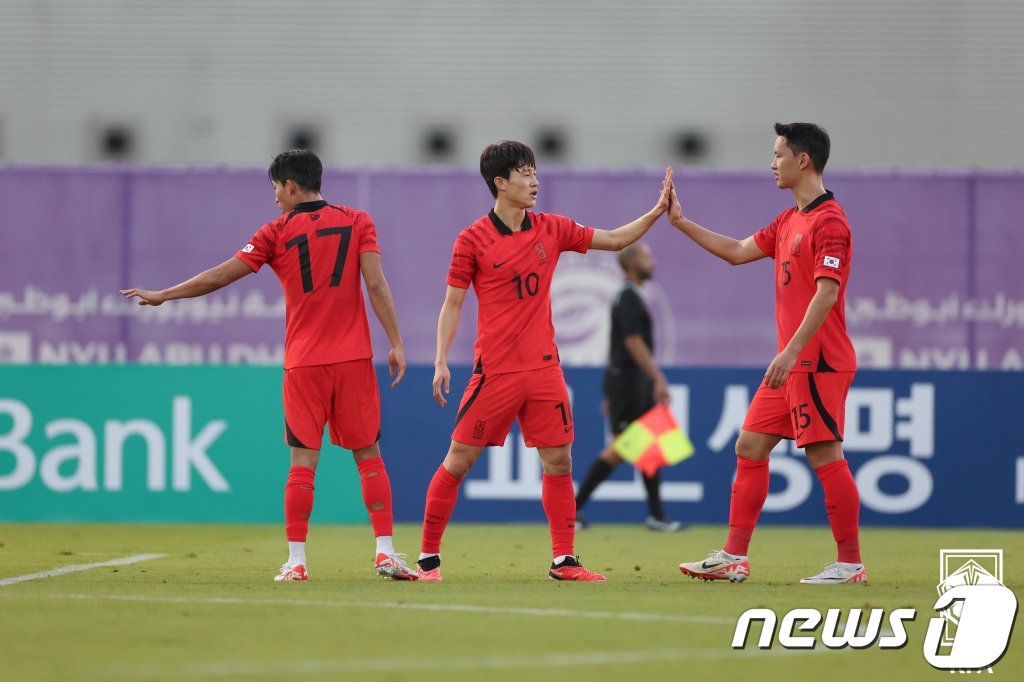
<point>803,395</point>
<point>509,256</point>
<point>320,252</point>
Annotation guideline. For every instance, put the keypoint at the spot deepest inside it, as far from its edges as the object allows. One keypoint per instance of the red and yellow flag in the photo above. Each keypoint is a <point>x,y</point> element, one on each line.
<point>653,441</point>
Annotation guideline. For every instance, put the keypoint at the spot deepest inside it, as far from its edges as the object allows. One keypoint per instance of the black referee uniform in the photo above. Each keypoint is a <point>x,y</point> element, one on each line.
<point>630,393</point>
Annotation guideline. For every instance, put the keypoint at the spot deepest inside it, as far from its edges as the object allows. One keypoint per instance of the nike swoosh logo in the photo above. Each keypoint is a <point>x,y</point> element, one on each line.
<point>706,567</point>
<point>498,265</point>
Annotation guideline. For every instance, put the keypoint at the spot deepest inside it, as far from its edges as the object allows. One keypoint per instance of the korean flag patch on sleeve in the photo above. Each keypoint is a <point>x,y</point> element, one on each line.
<point>249,247</point>
<point>831,262</point>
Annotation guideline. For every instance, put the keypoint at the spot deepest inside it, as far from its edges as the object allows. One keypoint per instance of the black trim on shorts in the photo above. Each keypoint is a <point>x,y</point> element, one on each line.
<point>469,403</point>
<point>292,440</point>
<point>479,369</point>
<point>822,412</point>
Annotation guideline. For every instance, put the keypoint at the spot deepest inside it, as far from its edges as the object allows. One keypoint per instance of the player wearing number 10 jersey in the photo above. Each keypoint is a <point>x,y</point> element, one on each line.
<point>509,257</point>
<point>320,252</point>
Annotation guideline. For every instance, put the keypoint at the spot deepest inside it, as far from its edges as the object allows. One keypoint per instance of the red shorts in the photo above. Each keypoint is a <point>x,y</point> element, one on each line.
<point>538,398</point>
<point>343,395</point>
<point>809,408</point>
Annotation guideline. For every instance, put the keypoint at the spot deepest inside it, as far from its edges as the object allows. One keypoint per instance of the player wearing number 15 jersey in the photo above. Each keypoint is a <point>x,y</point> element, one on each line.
<point>803,394</point>
<point>509,257</point>
<point>320,253</point>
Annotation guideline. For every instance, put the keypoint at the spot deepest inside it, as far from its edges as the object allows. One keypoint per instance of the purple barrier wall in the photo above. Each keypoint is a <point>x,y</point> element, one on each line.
<point>935,281</point>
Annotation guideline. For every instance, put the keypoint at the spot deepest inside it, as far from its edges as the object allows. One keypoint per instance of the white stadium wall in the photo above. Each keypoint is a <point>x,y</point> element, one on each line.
<point>596,84</point>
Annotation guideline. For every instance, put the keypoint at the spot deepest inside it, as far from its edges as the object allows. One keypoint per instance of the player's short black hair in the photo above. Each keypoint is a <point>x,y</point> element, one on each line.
<point>498,160</point>
<point>809,138</point>
<point>300,165</point>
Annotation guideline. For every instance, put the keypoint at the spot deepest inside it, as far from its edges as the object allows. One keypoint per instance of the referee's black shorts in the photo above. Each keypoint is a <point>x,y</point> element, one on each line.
<point>629,393</point>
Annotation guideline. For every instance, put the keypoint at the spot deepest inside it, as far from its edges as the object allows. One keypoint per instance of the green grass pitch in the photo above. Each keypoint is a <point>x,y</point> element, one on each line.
<point>209,610</point>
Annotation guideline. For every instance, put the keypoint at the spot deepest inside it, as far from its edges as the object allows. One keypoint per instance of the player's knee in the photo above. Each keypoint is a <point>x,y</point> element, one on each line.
<point>456,467</point>
<point>556,461</point>
<point>749,450</point>
<point>366,453</point>
<point>461,457</point>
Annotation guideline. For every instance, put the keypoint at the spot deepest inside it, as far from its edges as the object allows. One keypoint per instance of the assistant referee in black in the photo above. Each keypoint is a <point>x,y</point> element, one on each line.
<point>633,384</point>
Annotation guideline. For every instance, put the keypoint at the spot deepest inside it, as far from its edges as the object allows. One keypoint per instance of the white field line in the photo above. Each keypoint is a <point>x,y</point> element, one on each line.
<point>461,608</point>
<point>254,668</point>
<point>74,568</point>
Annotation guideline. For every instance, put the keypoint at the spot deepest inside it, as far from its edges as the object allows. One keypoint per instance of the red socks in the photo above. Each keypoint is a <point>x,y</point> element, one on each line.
<point>376,494</point>
<point>842,503</point>
<point>298,503</point>
<point>556,498</point>
<point>442,493</point>
<point>559,503</point>
<point>748,495</point>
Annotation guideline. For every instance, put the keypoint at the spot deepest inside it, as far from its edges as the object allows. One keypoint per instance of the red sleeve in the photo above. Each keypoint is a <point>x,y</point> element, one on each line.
<point>832,249</point>
<point>766,238</point>
<point>260,248</point>
<point>368,235</point>
<point>573,237</point>
<point>463,266</point>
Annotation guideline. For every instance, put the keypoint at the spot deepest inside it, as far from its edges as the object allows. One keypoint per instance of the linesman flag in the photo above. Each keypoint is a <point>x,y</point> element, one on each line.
<point>653,441</point>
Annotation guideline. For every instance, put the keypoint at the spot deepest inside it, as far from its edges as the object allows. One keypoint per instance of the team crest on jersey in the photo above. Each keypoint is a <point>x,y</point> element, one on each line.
<point>831,262</point>
<point>795,248</point>
<point>542,253</point>
<point>248,248</point>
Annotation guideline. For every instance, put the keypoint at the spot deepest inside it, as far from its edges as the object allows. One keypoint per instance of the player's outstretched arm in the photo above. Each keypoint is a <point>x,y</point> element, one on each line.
<point>204,283</point>
<point>384,308</point>
<point>732,251</point>
<point>447,325</point>
<point>621,237</point>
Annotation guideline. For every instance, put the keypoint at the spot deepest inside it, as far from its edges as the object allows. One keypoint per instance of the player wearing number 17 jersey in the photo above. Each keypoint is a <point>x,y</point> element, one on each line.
<point>509,257</point>
<point>320,253</point>
<point>803,394</point>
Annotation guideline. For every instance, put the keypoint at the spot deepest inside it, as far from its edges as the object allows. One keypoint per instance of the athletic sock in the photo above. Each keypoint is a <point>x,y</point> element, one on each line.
<point>442,493</point>
<point>599,471</point>
<point>298,502</point>
<point>385,545</point>
<point>560,508</point>
<point>376,494</point>
<point>842,503</point>
<point>296,553</point>
<point>749,492</point>
<point>653,486</point>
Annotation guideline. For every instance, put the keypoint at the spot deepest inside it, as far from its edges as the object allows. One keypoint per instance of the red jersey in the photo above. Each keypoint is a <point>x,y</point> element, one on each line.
<point>314,251</point>
<point>806,245</point>
<point>511,273</point>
